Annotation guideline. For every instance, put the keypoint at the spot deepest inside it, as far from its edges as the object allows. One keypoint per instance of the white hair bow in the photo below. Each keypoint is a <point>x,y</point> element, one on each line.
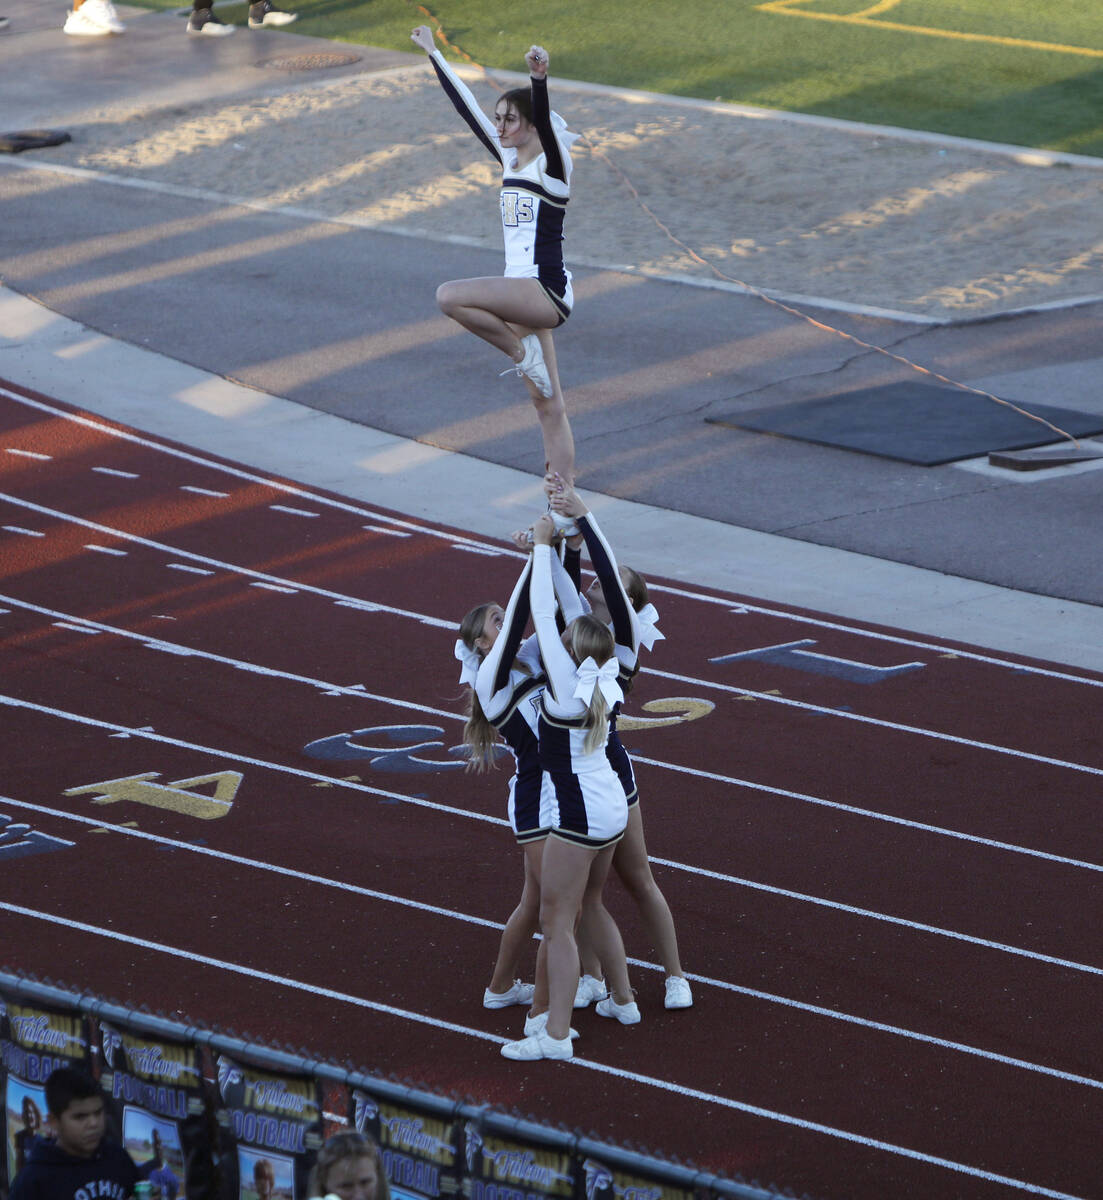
<point>470,659</point>
<point>562,132</point>
<point>591,676</point>
<point>649,630</point>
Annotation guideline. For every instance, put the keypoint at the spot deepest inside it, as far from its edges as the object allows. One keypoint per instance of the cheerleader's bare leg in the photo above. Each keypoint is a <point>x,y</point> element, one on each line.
<point>631,865</point>
<point>523,923</point>
<point>565,875</point>
<point>489,305</point>
<point>552,414</point>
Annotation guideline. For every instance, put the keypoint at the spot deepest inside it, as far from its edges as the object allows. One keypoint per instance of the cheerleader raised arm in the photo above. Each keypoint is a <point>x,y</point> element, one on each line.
<point>516,313</point>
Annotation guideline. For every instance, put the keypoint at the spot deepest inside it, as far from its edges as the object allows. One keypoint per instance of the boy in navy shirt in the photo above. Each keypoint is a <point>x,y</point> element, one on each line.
<point>78,1161</point>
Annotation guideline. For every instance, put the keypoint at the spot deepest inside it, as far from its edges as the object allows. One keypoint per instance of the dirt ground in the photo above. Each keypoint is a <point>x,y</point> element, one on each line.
<point>931,227</point>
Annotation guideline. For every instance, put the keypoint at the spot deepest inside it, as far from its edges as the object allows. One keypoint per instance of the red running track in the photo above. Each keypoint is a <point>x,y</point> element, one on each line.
<point>231,791</point>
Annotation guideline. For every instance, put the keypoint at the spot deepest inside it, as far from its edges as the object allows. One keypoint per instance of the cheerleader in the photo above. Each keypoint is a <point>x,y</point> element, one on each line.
<point>506,680</point>
<point>618,597</point>
<point>517,313</point>
<point>587,815</point>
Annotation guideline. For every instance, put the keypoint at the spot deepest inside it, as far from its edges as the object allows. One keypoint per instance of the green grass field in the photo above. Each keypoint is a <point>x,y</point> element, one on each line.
<point>1018,71</point>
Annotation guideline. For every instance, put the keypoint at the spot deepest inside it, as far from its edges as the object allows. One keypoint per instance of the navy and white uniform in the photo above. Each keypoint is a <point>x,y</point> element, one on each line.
<point>590,808</point>
<point>628,632</point>
<point>533,197</point>
<point>509,685</point>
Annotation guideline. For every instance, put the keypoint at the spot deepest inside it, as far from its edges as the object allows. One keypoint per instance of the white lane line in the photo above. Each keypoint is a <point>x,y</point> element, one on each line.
<point>396,524</point>
<point>202,491</point>
<point>436,622</point>
<point>877,722</point>
<point>358,689</point>
<point>25,532</point>
<point>115,471</point>
<point>469,919</point>
<point>665,1085</point>
<point>105,549</point>
<point>294,512</point>
<point>117,730</point>
<point>850,910</point>
<point>216,563</point>
<point>29,454</point>
<point>399,533</point>
<point>187,567</point>
<point>276,587</point>
<point>872,814</point>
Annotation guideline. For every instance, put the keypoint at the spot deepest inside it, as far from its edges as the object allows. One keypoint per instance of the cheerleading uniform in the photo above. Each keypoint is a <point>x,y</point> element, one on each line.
<point>533,197</point>
<point>626,634</point>
<point>509,684</point>
<point>589,804</point>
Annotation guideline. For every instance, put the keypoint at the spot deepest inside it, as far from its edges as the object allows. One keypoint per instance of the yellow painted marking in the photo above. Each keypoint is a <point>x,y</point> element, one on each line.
<point>787,8</point>
<point>682,708</point>
<point>173,796</point>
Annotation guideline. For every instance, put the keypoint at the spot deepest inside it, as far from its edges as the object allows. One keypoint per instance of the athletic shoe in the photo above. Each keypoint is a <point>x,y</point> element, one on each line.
<point>3,22</point>
<point>589,989</point>
<point>626,1014</point>
<point>539,1045</point>
<point>535,1024</point>
<point>205,22</point>
<point>678,992</point>
<point>264,12</point>
<point>533,365</point>
<point>94,18</point>
<point>519,993</point>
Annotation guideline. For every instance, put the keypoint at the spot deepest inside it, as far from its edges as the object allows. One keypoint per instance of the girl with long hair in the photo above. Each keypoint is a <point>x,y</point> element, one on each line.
<point>587,814</point>
<point>619,598</point>
<point>516,313</point>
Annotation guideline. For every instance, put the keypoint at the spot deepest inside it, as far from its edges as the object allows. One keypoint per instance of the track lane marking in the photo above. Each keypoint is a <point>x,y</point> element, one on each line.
<point>578,1062</point>
<point>424,619</point>
<point>358,690</point>
<point>298,772</point>
<point>397,525</point>
<point>469,918</point>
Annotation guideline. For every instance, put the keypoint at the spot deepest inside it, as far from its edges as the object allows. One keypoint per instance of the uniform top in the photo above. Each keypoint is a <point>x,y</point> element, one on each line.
<point>533,197</point>
<point>559,705</point>
<point>52,1174</point>
<point>505,688</point>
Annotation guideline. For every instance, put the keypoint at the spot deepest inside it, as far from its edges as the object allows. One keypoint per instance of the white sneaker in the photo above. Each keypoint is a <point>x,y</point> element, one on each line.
<point>264,12</point>
<point>203,20</point>
<point>519,993</point>
<point>626,1014</point>
<point>539,1045</point>
<point>564,526</point>
<point>678,992</point>
<point>533,365</point>
<point>589,990</point>
<point>535,1024</point>
<point>94,18</point>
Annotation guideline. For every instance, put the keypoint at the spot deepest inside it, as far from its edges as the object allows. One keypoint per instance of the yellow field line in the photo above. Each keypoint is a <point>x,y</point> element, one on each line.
<point>785,8</point>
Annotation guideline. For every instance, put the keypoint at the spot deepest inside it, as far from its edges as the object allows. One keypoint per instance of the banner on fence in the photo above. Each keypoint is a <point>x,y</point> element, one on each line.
<point>270,1131</point>
<point>34,1041</point>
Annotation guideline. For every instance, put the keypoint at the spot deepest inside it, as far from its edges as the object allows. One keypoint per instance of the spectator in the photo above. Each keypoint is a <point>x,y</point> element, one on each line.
<point>93,18</point>
<point>349,1166</point>
<point>79,1159</point>
<point>261,13</point>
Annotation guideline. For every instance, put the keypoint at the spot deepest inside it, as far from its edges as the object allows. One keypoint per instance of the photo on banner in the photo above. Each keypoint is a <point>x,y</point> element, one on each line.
<point>270,1131</point>
<point>421,1153</point>
<point>34,1041</point>
<point>159,1099</point>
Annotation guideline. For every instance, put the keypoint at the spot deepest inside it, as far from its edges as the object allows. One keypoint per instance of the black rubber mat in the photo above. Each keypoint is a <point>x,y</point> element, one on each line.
<point>915,423</point>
